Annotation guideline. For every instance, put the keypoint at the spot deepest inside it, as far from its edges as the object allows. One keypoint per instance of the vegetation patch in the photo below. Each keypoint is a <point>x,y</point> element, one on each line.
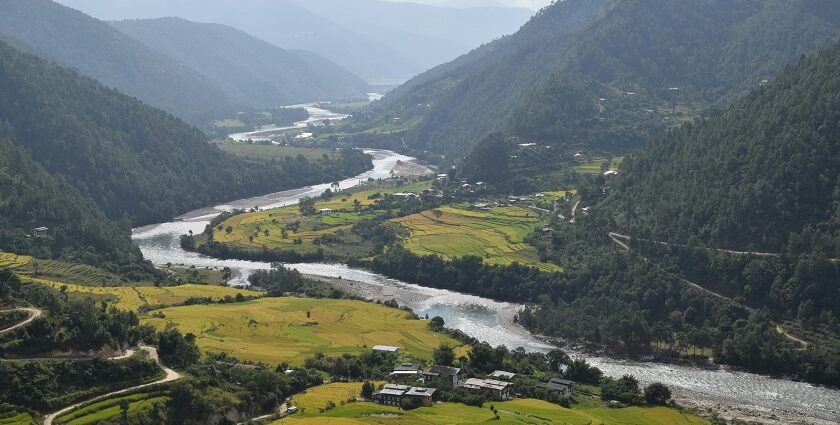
<point>135,297</point>
<point>292,329</point>
<point>11,415</point>
<point>112,408</point>
<point>497,235</point>
<point>599,165</point>
<point>271,151</point>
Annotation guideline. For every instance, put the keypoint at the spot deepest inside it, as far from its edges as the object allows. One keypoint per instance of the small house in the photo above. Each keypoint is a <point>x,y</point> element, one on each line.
<point>496,390</point>
<point>325,211</point>
<point>40,232</point>
<point>561,386</point>
<point>452,374</point>
<point>390,394</point>
<point>405,372</point>
<point>386,348</point>
<point>424,395</point>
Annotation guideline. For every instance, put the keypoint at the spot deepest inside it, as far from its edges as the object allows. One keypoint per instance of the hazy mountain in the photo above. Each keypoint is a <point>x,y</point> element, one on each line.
<point>249,70</point>
<point>651,62</point>
<point>97,50</point>
<point>374,39</point>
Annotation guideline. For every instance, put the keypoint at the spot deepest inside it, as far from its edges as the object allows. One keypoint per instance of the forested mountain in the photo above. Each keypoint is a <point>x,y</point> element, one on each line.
<point>380,41</point>
<point>135,161</point>
<point>74,39</point>
<point>30,197</point>
<point>763,176</point>
<point>251,71</point>
<point>606,74</point>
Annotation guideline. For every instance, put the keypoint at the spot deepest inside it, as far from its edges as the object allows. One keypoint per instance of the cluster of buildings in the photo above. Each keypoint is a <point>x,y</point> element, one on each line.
<point>497,386</point>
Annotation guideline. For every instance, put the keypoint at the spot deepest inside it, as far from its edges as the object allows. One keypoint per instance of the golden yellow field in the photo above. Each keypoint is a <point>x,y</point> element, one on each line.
<point>519,412</point>
<point>497,235</point>
<point>133,297</point>
<point>292,329</point>
<point>13,261</point>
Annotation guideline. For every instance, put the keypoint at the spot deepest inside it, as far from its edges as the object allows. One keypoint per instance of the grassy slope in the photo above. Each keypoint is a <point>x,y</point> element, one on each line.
<point>497,235</point>
<point>274,330</point>
<point>110,409</point>
<point>9,415</point>
<point>133,297</point>
<point>520,411</point>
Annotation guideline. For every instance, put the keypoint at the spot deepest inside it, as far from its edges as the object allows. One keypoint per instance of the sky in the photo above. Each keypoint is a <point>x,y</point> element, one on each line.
<point>530,4</point>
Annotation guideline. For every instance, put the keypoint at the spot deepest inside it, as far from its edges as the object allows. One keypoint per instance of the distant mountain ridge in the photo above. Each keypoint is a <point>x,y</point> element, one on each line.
<point>251,71</point>
<point>377,40</point>
<point>115,59</point>
<point>650,62</point>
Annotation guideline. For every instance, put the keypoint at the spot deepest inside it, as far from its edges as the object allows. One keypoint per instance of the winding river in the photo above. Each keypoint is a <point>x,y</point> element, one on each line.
<point>733,393</point>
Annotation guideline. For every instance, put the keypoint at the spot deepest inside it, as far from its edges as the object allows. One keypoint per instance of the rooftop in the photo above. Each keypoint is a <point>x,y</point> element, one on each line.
<point>502,374</point>
<point>388,348</point>
<point>443,370</point>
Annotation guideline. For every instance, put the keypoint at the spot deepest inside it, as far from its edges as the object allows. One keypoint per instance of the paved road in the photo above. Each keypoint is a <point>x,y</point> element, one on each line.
<point>34,313</point>
<point>620,240</point>
<point>171,375</point>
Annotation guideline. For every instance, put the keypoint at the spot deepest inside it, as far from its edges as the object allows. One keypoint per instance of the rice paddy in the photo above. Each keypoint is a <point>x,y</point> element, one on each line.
<point>290,329</point>
<point>519,411</point>
<point>134,297</point>
<point>10,415</point>
<point>594,166</point>
<point>497,235</point>
<point>110,409</point>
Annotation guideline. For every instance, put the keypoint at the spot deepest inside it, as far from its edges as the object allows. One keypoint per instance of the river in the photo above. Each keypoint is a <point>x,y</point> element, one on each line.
<point>735,394</point>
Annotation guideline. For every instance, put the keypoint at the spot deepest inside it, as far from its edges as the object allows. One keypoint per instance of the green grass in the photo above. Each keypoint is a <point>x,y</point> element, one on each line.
<point>257,151</point>
<point>228,123</point>
<point>497,235</point>
<point>110,408</point>
<point>519,411</point>
<point>275,330</point>
<point>594,166</point>
<point>134,297</point>
<point>10,415</point>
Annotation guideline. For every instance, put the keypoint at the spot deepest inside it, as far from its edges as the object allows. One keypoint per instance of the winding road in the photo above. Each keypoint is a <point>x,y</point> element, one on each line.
<point>171,375</point>
<point>34,313</point>
<point>623,240</point>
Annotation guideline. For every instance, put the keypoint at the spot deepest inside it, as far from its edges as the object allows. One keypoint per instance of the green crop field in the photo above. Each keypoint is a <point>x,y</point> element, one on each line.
<point>520,411</point>
<point>497,235</point>
<point>254,225</point>
<point>10,415</point>
<point>594,166</point>
<point>134,297</point>
<point>291,329</point>
<point>257,151</point>
<point>110,408</point>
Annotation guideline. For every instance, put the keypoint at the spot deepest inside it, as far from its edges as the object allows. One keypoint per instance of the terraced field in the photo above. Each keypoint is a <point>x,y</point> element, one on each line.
<point>249,230</point>
<point>13,261</point>
<point>110,409</point>
<point>134,297</point>
<point>497,235</point>
<point>594,166</point>
<point>291,329</point>
<point>520,411</point>
<point>9,415</point>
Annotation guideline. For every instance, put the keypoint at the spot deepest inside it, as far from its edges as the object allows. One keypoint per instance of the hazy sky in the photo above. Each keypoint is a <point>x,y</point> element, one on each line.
<point>530,4</point>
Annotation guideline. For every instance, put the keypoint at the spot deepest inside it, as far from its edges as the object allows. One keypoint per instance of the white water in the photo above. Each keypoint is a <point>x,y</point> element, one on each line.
<point>316,116</point>
<point>491,320</point>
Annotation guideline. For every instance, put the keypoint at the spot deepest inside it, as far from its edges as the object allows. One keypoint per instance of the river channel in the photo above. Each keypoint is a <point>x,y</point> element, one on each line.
<point>734,393</point>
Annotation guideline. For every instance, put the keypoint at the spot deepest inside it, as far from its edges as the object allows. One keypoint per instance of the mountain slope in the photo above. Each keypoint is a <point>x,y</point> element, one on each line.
<point>752,178</point>
<point>648,60</point>
<point>97,50</point>
<point>135,161</point>
<point>30,197</point>
<point>250,70</point>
